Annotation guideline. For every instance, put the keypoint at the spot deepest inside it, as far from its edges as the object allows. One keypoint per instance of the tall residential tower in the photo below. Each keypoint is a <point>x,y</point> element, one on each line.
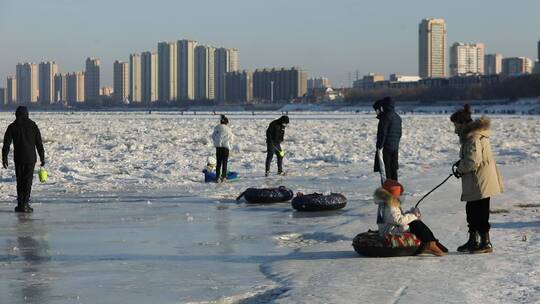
<point>11,90</point>
<point>91,79</point>
<point>204,73</point>
<point>186,69</point>
<point>467,59</point>
<point>225,61</point>
<point>47,71</point>
<point>167,71</point>
<point>432,51</point>
<point>135,78</point>
<point>120,81</point>
<point>492,64</point>
<point>27,83</point>
<point>150,80</point>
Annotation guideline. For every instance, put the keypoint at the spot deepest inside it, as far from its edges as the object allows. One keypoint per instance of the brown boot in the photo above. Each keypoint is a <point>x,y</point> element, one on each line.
<point>432,248</point>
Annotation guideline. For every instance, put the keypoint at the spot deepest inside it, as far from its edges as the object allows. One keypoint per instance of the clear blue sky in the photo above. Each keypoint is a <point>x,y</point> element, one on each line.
<point>326,38</point>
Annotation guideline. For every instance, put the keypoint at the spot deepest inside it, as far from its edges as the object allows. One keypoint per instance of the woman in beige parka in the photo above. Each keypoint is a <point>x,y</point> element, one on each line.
<point>480,178</point>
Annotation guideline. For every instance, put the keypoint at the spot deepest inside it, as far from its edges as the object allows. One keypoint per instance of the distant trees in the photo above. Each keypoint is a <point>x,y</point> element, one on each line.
<point>509,88</point>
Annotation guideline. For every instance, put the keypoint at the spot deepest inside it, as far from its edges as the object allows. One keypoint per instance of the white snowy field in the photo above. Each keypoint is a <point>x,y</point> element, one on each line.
<point>125,216</point>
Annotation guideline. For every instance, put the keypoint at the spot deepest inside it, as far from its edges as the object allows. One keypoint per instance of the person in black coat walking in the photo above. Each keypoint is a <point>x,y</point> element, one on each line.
<point>274,137</point>
<point>26,138</point>
<point>388,137</point>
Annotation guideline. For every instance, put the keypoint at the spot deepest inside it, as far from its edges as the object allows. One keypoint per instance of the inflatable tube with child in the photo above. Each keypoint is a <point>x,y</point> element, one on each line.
<point>266,195</point>
<point>372,244</point>
<point>319,201</point>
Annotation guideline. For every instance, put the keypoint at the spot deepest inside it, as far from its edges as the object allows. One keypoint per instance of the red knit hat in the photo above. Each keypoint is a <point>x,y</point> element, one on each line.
<point>392,186</point>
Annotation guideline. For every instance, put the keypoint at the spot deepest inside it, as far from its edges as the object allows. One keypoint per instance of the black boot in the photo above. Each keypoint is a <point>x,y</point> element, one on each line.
<point>19,208</point>
<point>485,244</point>
<point>24,208</point>
<point>472,243</point>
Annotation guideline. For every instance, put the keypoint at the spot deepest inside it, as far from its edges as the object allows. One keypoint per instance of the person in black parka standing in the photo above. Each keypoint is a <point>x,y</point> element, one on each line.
<point>274,137</point>
<point>388,137</point>
<point>26,138</point>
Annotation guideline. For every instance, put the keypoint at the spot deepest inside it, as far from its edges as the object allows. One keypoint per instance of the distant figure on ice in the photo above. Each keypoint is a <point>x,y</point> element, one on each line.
<point>388,137</point>
<point>26,138</point>
<point>392,220</point>
<point>480,178</point>
<point>274,137</point>
<point>223,140</point>
<point>210,171</point>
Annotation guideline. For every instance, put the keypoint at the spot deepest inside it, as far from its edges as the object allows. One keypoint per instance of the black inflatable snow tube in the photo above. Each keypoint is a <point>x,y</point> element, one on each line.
<point>267,195</point>
<point>319,202</point>
<point>367,244</point>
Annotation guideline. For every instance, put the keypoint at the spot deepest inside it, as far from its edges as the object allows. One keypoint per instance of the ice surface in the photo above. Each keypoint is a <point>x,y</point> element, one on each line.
<point>126,218</point>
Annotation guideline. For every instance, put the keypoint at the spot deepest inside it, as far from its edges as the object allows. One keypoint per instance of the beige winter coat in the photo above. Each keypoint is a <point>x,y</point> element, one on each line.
<point>481,177</point>
<point>390,217</point>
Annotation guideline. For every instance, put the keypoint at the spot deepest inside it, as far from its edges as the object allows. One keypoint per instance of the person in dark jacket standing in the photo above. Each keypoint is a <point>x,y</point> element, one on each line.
<point>26,138</point>
<point>274,137</point>
<point>388,137</point>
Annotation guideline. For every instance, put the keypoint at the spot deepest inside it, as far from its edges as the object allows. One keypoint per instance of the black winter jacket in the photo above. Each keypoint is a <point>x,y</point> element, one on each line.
<point>389,128</point>
<point>276,131</point>
<point>26,139</point>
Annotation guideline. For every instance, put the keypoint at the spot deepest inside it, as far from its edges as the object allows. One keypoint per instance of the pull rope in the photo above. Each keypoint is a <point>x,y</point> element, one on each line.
<point>444,181</point>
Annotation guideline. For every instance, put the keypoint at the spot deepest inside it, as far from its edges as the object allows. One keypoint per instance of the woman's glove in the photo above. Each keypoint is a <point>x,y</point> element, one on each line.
<point>416,212</point>
<point>455,171</point>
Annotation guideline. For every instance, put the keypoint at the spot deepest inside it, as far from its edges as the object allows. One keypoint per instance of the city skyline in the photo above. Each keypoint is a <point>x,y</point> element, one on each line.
<point>330,45</point>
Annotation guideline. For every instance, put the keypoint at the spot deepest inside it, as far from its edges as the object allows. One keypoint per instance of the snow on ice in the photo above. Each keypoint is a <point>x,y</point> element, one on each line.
<point>126,217</point>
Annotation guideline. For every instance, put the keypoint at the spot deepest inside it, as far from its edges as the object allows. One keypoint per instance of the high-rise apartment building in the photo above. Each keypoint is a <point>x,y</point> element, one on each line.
<point>204,72</point>
<point>492,64</point>
<point>318,83</point>
<point>432,51</point>
<point>467,59</point>
<point>76,87</point>
<point>225,60</point>
<point>91,79</point>
<point>279,84</point>
<point>536,68</point>
<point>538,50</point>
<point>60,88</point>
<point>239,86</point>
<point>3,96</point>
<point>120,81</point>
<point>135,78</point>
<point>516,66</point>
<point>47,71</point>
<point>186,69</point>
<point>27,83</point>
<point>149,81</point>
<point>167,71</point>
<point>11,90</point>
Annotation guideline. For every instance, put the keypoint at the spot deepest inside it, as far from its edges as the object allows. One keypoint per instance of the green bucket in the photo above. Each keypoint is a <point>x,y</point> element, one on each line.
<point>42,175</point>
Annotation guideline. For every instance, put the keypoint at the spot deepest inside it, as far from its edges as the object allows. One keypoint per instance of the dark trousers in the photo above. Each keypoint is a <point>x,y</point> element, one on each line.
<point>478,215</point>
<point>25,174</point>
<point>270,151</point>
<point>390,158</point>
<point>421,231</point>
<point>391,164</point>
<point>222,157</point>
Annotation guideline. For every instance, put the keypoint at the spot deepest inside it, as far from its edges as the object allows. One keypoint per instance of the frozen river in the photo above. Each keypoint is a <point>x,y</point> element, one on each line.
<point>125,217</point>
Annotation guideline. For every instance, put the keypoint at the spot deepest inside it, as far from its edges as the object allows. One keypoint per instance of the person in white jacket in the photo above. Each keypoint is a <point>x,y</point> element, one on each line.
<point>392,220</point>
<point>223,140</point>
